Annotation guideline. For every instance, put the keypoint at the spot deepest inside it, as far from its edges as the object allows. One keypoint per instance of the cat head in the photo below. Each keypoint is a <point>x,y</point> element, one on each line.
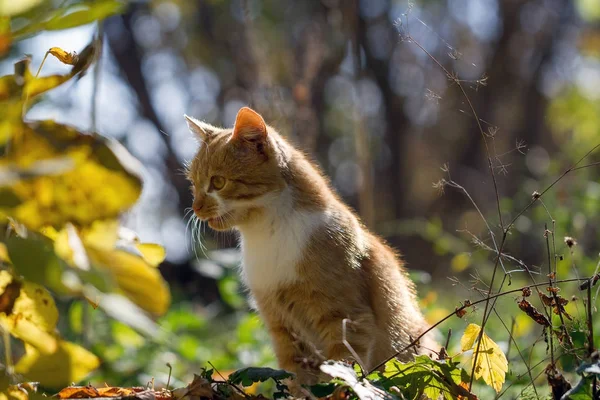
<point>236,172</point>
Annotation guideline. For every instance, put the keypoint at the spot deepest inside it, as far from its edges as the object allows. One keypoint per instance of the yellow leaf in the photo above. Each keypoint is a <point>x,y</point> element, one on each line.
<point>491,361</point>
<point>460,262</point>
<point>69,363</point>
<point>37,305</point>
<point>18,90</point>
<point>4,253</point>
<point>523,325</point>
<point>469,337</point>
<point>101,234</point>
<point>153,253</point>
<point>42,84</point>
<point>23,85</point>
<point>69,247</point>
<point>61,244</point>
<point>29,333</point>
<point>140,282</point>
<point>33,317</point>
<point>102,182</point>
<point>65,57</point>
<point>11,7</point>
<point>13,392</point>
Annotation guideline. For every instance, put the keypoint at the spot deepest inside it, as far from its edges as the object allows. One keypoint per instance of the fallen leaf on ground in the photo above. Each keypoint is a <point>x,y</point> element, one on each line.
<point>78,392</point>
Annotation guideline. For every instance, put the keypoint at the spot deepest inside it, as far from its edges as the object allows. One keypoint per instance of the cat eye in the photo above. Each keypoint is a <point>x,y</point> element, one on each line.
<point>217,182</point>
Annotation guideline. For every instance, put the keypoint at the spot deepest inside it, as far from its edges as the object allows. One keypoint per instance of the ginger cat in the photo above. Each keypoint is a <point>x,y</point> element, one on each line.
<point>308,261</point>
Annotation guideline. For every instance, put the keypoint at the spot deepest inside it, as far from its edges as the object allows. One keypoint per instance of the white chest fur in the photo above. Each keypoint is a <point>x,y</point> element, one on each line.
<point>272,249</point>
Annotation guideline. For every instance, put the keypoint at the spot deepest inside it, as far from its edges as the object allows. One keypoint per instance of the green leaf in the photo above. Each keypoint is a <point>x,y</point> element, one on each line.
<point>229,288</point>
<point>207,373</point>
<point>76,317</point>
<point>582,391</point>
<point>8,198</point>
<point>250,375</point>
<point>322,389</point>
<point>71,16</point>
<point>425,376</point>
<point>91,12</point>
<point>34,258</point>
<point>362,387</point>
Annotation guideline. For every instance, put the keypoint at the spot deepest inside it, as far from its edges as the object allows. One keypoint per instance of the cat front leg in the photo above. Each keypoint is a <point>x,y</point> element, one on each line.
<point>293,356</point>
<point>359,334</point>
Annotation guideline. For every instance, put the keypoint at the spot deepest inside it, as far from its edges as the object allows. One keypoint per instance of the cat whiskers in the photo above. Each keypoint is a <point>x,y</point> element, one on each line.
<point>186,216</point>
<point>193,224</point>
<point>200,234</point>
<point>224,219</point>
<point>197,228</point>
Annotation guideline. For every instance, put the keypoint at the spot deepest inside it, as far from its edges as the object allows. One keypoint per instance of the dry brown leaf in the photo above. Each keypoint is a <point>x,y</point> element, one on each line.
<point>9,296</point>
<point>533,313</point>
<point>200,387</point>
<point>78,392</point>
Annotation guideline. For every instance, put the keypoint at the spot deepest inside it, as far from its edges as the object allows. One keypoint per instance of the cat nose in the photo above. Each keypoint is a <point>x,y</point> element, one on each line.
<point>198,203</point>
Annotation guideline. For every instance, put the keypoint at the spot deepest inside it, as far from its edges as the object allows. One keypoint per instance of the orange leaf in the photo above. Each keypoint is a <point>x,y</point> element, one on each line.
<point>78,392</point>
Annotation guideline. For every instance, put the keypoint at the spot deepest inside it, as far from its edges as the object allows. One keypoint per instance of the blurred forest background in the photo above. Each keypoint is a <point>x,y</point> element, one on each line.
<point>343,80</point>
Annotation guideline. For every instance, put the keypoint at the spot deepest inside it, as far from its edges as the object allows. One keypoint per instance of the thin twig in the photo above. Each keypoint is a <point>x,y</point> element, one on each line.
<point>226,381</point>
<point>496,192</point>
<point>513,341</point>
<point>589,320</point>
<point>591,335</point>
<point>415,341</point>
<point>551,285</point>
<point>97,74</point>
<point>512,331</point>
<point>350,348</point>
<point>170,372</point>
<point>448,338</point>
<point>568,170</point>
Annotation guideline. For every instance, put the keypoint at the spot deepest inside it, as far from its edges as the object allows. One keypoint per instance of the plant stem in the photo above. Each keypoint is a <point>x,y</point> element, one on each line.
<point>458,309</point>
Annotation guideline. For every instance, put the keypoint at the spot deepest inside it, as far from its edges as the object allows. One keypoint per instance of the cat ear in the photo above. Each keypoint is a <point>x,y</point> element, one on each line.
<point>200,129</point>
<point>249,125</point>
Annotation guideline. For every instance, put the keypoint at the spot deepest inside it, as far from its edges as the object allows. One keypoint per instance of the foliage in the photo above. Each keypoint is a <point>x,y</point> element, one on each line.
<point>250,375</point>
<point>61,193</point>
<point>32,16</point>
<point>63,235</point>
<point>425,376</point>
<point>491,363</point>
